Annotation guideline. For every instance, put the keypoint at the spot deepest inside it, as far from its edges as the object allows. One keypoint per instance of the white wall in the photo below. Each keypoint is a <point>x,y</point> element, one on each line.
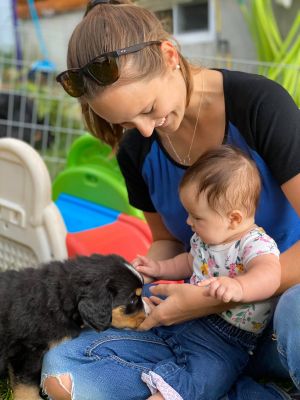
<point>6,26</point>
<point>58,28</point>
<point>233,30</point>
<point>56,31</point>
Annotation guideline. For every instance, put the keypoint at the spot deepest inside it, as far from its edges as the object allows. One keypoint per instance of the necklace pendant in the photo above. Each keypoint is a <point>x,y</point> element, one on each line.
<point>186,160</point>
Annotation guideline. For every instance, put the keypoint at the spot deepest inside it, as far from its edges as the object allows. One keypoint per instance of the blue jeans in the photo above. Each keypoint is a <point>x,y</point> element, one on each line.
<point>277,356</point>
<point>209,355</point>
<point>109,365</point>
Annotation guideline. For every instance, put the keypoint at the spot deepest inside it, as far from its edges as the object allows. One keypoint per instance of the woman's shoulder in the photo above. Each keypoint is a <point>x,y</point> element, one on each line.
<point>237,78</point>
<point>248,86</point>
<point>253,102</point>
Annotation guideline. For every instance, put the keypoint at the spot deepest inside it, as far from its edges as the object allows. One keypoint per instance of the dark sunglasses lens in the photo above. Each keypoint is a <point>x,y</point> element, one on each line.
<point>93,3</point>
<point>105,71</point>
<point>72,82</point>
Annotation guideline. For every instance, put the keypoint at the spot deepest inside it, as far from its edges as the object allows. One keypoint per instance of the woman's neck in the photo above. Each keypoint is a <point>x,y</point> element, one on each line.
<point>212,119</point>
<point>209,120</point>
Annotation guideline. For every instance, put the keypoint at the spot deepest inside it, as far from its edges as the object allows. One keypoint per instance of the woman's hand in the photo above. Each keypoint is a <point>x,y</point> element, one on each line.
<point>183,302</point>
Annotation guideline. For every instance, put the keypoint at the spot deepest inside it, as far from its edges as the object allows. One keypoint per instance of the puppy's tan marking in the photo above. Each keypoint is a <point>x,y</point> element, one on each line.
<point>21,391</point>
<point>138,291</point>
<point>55,343</point>
<point>24,392</point>
<point>121,320</point>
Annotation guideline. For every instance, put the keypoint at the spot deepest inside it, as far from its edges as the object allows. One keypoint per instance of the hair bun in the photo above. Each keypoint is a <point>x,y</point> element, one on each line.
<point>93,3</point>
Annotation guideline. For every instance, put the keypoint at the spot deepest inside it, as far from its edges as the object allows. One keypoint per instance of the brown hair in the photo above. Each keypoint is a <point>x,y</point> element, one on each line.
<point>108,27</point>
<point>229,178</point>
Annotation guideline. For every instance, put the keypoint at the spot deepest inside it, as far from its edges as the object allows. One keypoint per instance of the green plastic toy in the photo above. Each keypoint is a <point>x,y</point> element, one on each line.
<point>92,173</point>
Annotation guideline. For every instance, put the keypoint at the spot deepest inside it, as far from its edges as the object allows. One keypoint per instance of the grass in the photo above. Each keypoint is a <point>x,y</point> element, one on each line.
<point>5,391</point>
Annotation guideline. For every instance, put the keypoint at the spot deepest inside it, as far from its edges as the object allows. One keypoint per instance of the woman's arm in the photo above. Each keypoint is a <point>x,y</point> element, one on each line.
<point>183,302</point>
<point>290,259</point>
<point>164,245</point>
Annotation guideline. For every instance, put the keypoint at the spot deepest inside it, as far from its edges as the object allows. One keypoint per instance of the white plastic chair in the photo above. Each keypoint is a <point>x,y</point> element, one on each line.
<point>31,227</point>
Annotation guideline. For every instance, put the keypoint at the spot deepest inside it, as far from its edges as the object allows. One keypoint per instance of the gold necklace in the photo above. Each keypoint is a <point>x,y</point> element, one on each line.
<point>187,159</point>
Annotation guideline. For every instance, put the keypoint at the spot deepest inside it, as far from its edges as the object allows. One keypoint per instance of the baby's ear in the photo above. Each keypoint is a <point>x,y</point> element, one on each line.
<point>236,217</point>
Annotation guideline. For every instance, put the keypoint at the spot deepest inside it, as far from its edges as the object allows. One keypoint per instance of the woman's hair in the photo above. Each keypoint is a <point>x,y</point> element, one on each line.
<point>107,27</point>
<point>229,179</point>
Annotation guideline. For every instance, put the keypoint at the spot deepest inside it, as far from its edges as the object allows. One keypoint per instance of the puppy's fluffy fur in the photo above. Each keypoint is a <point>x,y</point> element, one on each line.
<point>42,306</point>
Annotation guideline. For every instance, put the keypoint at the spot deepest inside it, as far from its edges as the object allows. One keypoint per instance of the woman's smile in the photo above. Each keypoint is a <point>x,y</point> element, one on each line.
<point>161,123</point>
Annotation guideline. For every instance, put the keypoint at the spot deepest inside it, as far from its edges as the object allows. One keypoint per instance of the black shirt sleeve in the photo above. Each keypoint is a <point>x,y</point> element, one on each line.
<point>131,156</point>
<point>270,121</point>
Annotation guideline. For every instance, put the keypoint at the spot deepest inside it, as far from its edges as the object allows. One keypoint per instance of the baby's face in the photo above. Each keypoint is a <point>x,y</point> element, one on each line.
<point>211,226</point>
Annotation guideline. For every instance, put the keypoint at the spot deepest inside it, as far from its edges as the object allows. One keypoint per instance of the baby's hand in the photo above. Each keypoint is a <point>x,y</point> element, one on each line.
<point>150,269</point>
<point>223,288</point>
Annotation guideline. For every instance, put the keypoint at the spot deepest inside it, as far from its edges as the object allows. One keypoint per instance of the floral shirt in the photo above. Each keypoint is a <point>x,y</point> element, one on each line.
<point>231,259</point>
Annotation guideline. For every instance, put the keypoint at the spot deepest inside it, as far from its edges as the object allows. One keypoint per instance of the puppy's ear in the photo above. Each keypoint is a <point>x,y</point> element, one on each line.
<point>96,311</point>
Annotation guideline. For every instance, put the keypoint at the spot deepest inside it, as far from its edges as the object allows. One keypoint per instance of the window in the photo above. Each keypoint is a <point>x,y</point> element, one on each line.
<point>194,22</point>
<point>192,17</point>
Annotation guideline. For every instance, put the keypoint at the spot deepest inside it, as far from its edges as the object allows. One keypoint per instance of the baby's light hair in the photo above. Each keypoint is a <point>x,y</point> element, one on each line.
<point>228,177</point>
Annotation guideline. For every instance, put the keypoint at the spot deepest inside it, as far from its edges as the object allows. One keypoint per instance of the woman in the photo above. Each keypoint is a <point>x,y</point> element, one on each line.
<point>128,74</point>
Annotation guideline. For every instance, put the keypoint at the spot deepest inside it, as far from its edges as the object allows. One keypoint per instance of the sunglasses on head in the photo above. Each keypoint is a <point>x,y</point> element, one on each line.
<point>93,3</point>
<point>103,69</point>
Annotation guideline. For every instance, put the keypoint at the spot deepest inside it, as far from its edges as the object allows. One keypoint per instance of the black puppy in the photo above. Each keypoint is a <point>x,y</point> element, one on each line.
<point>15,110</point>
<point>42,306</point>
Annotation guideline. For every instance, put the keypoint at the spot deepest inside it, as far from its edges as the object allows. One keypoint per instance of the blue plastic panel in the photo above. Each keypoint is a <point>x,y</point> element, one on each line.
<point>80,215</point>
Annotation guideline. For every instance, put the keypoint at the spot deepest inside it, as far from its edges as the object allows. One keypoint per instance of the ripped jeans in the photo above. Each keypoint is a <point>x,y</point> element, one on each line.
<point>109,365</point>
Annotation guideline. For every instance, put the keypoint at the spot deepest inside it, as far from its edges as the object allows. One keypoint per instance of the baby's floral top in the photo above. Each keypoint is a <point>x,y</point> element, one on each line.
<point>231,259</point>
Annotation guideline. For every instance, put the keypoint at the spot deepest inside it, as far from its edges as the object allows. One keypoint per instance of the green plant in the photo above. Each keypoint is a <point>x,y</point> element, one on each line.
<point>5,391</point>
<point>282,55</point>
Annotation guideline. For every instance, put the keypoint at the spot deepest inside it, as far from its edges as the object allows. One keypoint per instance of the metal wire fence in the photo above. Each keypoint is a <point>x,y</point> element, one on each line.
<point>34,108</point>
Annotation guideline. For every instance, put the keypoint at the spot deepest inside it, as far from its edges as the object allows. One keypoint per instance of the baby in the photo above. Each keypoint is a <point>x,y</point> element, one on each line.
<point>230,256</point>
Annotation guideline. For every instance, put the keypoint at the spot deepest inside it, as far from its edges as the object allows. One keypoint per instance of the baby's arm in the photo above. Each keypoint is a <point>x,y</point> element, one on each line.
<point>179,267</point>
<point>260,281</point>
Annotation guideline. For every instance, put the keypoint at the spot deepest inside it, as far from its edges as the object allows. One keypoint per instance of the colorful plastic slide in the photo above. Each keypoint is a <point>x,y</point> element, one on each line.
<point>92,198</point>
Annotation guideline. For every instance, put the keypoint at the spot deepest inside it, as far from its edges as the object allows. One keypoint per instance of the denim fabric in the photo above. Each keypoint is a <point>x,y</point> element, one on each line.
<point>210,355</point>
<point>266,359</point>
<point>108,365</point>
<point>247,389</point>
<point>277,356</point>
<point>287,332</point>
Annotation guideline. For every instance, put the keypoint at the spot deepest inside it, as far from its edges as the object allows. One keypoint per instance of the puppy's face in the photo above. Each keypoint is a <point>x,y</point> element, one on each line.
<point>131,313</point>
<point>111,294</point>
